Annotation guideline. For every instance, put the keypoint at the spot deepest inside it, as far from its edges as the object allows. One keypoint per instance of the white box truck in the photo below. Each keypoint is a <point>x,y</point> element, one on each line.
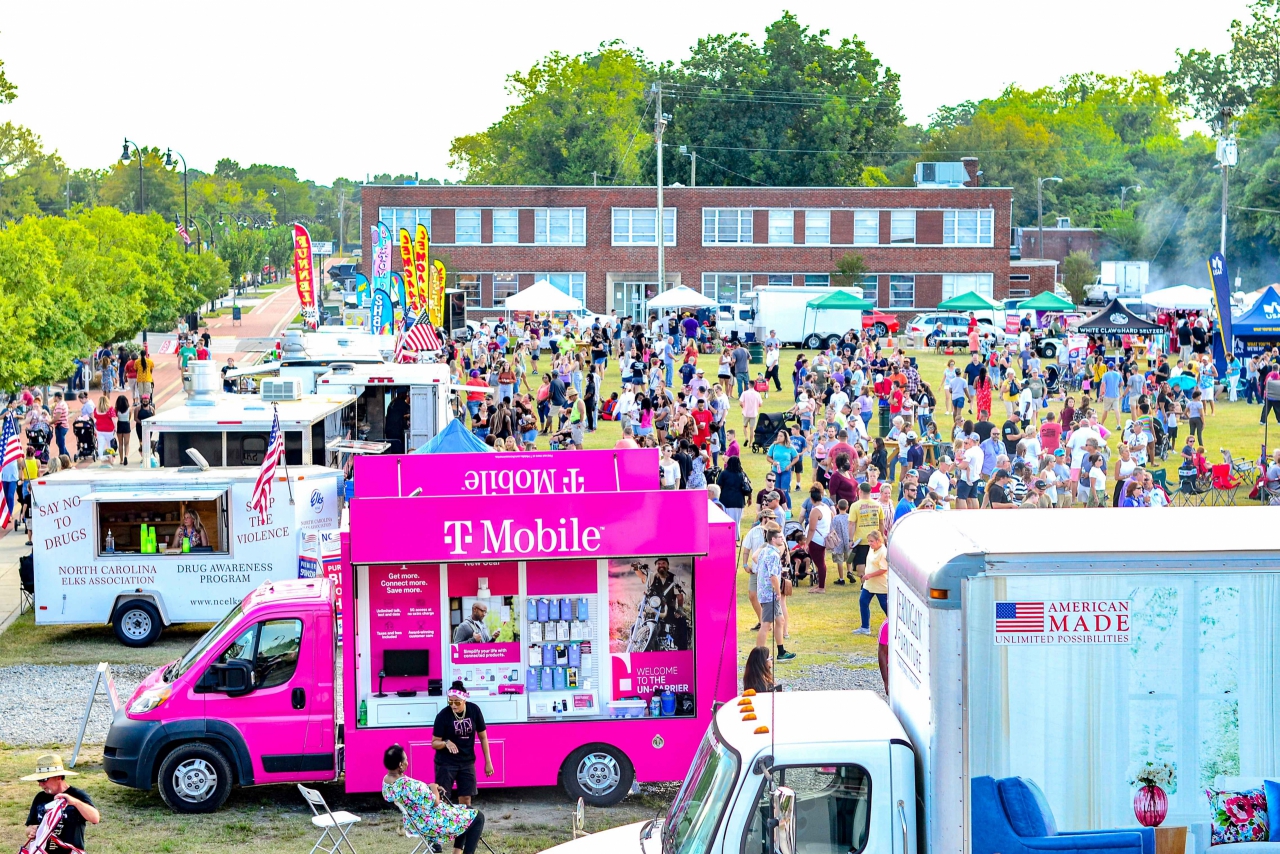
<point>1030,676</point>
<point>1126,279</point>
<point>92,564</point>
<point>785,309</point>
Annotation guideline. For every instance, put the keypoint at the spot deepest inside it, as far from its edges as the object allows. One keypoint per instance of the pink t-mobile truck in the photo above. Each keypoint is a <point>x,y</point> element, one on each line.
<point>590,615</point>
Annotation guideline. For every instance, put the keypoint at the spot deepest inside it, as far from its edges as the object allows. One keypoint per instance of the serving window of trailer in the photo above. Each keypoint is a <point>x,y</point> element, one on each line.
<point>123,516</point>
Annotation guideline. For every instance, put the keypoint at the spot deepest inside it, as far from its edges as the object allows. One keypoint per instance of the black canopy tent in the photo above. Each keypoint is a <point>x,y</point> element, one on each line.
<point>1116,319</point>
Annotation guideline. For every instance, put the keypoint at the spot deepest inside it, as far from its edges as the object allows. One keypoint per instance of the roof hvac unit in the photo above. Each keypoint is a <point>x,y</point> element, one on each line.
<point>1064,222</point>
<point>951,174</point>
<point>274,389</point>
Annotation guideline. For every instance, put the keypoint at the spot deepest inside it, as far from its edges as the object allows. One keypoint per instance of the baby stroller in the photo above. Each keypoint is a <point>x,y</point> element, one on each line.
<point>86,441</point>
<point>767,429</point>
<point>40,437</point>
<point>1162,439</point>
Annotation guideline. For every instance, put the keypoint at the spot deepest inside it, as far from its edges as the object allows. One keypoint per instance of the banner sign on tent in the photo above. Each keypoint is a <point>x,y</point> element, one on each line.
<point>398,288</point>
<point>421,271</point>
<point>380,317</point>
<point>437,294</point>
<point>381,267</point>
<point>303,273</point>
<point>362,289</point>
<point>1221,300</point>
<point>406,260</point>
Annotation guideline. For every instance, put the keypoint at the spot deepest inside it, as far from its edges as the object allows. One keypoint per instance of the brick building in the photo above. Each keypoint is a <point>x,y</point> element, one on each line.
<point>1059,242</point>
<point>920,244</point>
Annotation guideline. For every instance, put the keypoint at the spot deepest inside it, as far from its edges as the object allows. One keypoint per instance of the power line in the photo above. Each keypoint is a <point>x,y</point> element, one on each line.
<point>731,172</point>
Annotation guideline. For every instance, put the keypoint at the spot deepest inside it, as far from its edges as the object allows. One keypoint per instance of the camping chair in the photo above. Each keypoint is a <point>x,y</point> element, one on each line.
<point>1188,493</point>
<point>333,825</point>
<point>1160,478</point>
<point>423,846</point>
<point>26,583</point>
<point>1245,470</point>
<point>1225,484</point>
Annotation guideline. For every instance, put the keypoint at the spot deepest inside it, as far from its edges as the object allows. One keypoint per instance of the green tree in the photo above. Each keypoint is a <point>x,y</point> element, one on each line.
<point>1210,83</point>
<point>1125,234</point>
<point>1078,273</point>
<point>279,247</point>
<point>793,111</point>
<point>38,314</point>
<point>243,249</point>
<point>850,270</point>
<point>8,91</point>
<point>572,116</point>
<point>30,177</point>
<point>161,186</point>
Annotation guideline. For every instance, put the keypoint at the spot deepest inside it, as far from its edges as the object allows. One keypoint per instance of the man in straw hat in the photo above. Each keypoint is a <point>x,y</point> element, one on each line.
<point>66,809</point>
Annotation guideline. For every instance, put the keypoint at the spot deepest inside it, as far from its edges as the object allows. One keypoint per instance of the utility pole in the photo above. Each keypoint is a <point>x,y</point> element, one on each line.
<point>342,198</point>
<point>660,125</point>
<point>1040,214</point>
<point>1226,158</point>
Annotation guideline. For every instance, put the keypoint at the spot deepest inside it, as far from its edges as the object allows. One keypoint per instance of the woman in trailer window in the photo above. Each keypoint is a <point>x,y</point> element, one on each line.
<point>191,528</point>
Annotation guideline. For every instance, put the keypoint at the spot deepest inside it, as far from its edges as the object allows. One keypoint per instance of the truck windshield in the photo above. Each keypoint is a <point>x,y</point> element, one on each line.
<point>207,640</point>
<point>691,821</point>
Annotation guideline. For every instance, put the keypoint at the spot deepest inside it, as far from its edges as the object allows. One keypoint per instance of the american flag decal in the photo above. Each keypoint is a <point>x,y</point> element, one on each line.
<point>1019,617</point>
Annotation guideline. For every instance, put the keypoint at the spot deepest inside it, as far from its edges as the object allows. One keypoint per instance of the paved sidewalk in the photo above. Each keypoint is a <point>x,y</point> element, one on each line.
<point>13,544</point>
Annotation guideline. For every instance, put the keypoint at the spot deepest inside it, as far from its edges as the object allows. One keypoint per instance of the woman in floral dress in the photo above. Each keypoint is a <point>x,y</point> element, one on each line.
<point>425,812</point>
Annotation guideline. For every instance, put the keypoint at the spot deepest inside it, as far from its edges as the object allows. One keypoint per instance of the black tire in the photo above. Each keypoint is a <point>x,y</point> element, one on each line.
<point>137,623</point>
<point>832,340</point>
<point>882,329</point>
<point>813,341</point>
<point>1049,351</point>
<point>600,774</point>
<point>194,778</point>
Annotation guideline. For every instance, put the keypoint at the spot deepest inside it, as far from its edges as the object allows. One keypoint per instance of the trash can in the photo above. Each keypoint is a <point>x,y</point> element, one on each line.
<point>884,421</point>
<point>235,314</point>
<point>756,352</point>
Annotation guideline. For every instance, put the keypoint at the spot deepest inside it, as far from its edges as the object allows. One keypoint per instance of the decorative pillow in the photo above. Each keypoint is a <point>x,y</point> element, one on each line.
<point>1272,788</point>
<point>1238,816</point>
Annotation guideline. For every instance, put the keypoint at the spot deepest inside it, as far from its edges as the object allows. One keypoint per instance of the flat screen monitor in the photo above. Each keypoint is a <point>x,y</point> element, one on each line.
<point>406,662</point>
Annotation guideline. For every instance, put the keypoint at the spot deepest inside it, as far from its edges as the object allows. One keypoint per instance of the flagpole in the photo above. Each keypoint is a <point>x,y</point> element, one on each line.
<point>284,453</point>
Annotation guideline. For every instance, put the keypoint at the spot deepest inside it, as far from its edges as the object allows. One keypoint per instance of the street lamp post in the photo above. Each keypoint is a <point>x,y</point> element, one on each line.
<point>124,158</point>
<point>1040,213</point>
<point>208,224</point>
<point>1135,187</point>
<point>168,162</point>
<point>191,223</point>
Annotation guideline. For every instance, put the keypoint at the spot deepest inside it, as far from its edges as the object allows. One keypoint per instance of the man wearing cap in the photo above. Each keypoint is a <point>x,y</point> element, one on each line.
<point>699,385</point>
<point>968,493</point>
<point>998,494</point>
<point>67,808</point>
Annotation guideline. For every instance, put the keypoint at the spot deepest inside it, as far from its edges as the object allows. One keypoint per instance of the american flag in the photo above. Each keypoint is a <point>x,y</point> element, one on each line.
<point>12,454</point>
<point>417,337</point>
<point>184,234</point>
<point>262,488</point>
<point>1020,617</point>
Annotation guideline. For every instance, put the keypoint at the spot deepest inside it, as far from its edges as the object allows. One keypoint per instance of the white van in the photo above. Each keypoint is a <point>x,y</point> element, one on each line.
<point>90,563</point>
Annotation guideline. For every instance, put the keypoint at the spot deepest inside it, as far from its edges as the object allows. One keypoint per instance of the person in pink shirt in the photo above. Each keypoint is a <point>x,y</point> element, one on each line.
<point>628,439</point>
<point>882,654</point>
<point>733,449</point>
<point>751,402</point>
<point>1050,434</point>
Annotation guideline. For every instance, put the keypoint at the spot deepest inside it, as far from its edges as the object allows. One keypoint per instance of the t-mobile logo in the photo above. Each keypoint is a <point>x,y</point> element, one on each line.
<point>458,535</point>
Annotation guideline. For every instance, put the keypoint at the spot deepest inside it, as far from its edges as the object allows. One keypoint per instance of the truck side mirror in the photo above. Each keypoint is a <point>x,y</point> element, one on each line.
<point>784,820</point>
<point>234,678</point>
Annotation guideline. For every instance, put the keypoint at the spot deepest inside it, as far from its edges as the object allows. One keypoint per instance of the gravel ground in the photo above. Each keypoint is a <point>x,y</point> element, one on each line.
<point>43,704</point>
<point>852,672</point>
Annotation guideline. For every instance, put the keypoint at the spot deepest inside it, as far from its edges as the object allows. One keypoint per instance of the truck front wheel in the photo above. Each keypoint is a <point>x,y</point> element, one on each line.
<point>194,778</point>
<point>600,774</point>
<point>137,623</point>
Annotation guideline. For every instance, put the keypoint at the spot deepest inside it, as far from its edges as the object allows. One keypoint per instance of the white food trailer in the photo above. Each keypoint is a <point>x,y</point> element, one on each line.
<point>785,310</point>
<point>375,387</point>
<point>93,563</point>
<point>1030,675</point>
<point>306,355</point>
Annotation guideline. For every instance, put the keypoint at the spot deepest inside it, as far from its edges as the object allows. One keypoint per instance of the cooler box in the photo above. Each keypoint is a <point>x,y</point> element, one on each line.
<point>626,708</point>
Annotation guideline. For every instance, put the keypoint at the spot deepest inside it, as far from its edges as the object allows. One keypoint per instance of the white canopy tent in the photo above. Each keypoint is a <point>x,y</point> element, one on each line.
<point>542,296</point>
<point>1180,296</point>
<point>680,297</point>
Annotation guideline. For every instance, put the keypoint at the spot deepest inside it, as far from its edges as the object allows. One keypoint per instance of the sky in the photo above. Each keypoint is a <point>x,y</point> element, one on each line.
<point>354,89</point>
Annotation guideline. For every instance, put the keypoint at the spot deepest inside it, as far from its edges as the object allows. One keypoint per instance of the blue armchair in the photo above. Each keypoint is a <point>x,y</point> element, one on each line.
<point>1011,816</point>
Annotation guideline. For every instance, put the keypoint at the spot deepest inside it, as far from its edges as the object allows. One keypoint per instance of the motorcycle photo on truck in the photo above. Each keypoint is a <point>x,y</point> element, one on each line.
<point>651,609</point>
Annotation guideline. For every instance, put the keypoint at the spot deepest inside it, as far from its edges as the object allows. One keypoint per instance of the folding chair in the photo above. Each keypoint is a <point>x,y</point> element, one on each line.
<point>1225,484</point>
<point>1160,478</point>
<point>1188,494</point>
<point>423,846</point>
<point>1245,470</point>
<point>333,825</point>
<point>26,583</point>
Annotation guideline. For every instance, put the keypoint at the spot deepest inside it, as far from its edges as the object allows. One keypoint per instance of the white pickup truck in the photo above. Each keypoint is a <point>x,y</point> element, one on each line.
<point>1031,677</point>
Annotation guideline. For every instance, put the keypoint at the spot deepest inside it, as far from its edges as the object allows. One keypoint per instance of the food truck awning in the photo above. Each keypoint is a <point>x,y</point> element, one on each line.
<point>203,493</point>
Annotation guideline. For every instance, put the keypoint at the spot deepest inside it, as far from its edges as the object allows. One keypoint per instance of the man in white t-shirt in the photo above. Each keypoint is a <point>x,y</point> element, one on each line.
<point>838,400</point>
<point>1076,444</point>
<point>940,483</point>
<point>626,406</point>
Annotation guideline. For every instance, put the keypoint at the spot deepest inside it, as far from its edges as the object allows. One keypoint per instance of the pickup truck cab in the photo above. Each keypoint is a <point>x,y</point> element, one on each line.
<point>786,770</point>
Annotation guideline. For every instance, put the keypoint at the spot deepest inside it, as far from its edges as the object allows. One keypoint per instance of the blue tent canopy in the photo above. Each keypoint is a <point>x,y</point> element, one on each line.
<point>454,439</point>
<point>1262,321</point>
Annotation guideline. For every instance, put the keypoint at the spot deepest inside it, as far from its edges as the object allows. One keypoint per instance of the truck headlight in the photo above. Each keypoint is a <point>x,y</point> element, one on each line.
<point>149,700</point>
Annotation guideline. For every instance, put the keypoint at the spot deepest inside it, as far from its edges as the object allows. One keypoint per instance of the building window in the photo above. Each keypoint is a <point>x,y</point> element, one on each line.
<point>902,227</point>
<point>469,284</point>
<point>902,291</point>
<point>504,285</point>
<point>817,280</point>
<point>817,228</point>
<point>866,227</point>
<point>955,284</point>
<point>466,225</point>
<point>870,285</point>
<point>637,226</point>
<point>398,218</point>
<point>782,227</point>
<point>967,228</point>
<point>560,226</point>
<point>726,225</point>
<point>506,225</point>
<point>573,284</point>
<point>781,279</point>
<point>727,287</point>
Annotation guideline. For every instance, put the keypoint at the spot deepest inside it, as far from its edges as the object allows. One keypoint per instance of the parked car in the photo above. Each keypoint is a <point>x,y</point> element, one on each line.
<point>882,322</point>
<point>955,328</point>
